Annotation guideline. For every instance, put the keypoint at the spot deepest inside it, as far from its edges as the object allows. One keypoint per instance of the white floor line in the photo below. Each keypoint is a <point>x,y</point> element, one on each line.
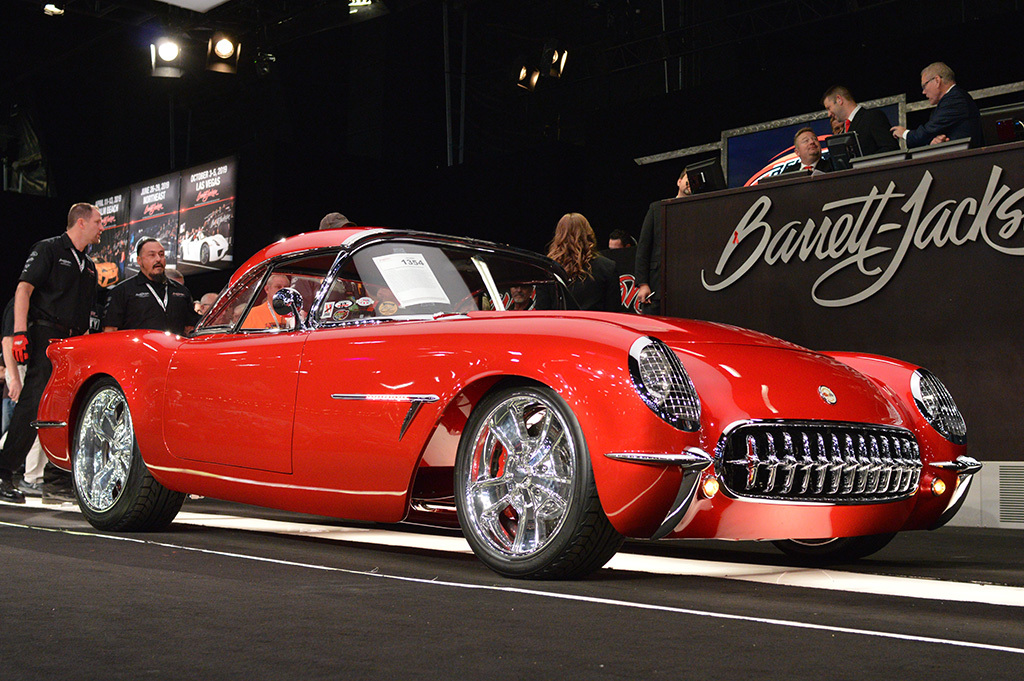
<point>833,580</point>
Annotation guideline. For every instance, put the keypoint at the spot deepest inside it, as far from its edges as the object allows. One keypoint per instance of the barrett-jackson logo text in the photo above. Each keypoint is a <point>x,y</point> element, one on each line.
<point>850,234</point>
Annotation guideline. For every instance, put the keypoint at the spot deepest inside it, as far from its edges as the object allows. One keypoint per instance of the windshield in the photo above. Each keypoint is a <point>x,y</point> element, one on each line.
<point>407,278</point>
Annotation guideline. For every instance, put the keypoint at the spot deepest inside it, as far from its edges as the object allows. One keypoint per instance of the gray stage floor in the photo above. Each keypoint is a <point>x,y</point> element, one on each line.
<point>234,592</point>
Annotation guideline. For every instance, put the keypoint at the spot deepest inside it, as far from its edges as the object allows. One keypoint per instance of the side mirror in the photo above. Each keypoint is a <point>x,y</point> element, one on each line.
<point>289,301</point>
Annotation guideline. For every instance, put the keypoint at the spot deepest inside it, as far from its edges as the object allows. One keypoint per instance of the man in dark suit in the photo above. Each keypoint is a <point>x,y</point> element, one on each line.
<point>808,149</point>
<point>648,252</point>
<point>871,125</point>
<point>955,116</point>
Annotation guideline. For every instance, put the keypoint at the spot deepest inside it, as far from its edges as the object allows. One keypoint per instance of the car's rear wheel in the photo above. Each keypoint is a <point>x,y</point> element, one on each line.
<point>115,489</point>
<point>204,254</point>
<point>525,491</point>
<point>835,550</point>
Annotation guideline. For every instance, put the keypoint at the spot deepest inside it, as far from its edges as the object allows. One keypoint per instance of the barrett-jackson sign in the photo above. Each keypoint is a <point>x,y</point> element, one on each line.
<point>919,260</point>
<point>856,242</point>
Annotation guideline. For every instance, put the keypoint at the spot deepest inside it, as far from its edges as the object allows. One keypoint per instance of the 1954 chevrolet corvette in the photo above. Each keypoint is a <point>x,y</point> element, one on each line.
<point>378,375</point>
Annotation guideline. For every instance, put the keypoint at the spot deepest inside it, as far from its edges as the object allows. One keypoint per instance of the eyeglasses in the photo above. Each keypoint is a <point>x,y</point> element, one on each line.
<point>925,84</point>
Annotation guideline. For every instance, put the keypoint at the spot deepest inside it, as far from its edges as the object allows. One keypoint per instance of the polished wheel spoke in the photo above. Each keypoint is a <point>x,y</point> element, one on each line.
<point>509,428</point>
<point>106,444</point>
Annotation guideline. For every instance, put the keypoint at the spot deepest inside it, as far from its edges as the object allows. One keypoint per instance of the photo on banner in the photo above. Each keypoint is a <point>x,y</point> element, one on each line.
<point>154,213</point>
<point>207,216</point>
<point>111,254</point>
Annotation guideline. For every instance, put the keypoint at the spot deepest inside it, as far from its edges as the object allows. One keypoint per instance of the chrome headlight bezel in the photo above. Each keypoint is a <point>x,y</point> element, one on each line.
<point>935,403</point>
<point>662,383</point>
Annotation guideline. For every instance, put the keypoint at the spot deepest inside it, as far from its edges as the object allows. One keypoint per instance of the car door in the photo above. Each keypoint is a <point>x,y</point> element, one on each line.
<point>230,399</point>
<point>230,396</point>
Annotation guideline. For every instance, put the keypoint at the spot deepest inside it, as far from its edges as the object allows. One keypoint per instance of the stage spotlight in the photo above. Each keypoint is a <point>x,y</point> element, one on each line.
<point>264,61</point>
<point>53,9</point>
<point>222,53</point>
<point>165,56</point>
<point>553,58</point>
<point>525,76</point>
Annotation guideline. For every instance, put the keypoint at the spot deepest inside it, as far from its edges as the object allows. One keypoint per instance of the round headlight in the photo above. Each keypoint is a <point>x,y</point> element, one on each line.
<point>663,384</point>
<point>937,406</point>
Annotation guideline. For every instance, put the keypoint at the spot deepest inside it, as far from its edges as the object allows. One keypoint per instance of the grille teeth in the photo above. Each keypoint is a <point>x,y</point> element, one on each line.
<point>811,461</point>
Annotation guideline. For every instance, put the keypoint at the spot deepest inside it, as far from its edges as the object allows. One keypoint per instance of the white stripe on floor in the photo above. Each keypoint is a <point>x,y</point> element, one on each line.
<point>833,580</point>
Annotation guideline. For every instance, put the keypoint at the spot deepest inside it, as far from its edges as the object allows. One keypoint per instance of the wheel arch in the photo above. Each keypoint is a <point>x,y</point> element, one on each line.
<point>432,491</point>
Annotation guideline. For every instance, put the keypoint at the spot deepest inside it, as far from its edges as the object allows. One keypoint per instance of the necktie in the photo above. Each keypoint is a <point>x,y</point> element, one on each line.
<point>846,125</point>
<point>808,168</point>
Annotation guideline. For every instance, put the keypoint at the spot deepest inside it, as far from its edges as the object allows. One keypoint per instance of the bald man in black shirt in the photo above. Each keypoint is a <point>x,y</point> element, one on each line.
<point>54,299</point>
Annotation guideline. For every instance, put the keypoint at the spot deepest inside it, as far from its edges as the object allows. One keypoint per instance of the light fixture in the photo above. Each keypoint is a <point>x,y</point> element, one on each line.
<point>354,5</point>
<point>553,58</point>
<point>710,487</point>
<point>165,57</point>
<point>53,9</point>
<point>264,61</point>
<point>222,53</point>
<point>525,76</point>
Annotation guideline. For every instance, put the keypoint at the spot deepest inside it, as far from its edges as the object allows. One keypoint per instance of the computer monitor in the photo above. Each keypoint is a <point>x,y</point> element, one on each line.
<point>1002,124</point>
<point>705,176</point>
<point>842,149</point>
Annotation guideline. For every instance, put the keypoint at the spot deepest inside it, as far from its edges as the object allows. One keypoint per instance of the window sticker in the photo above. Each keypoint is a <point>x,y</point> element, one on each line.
<point>410,278</point>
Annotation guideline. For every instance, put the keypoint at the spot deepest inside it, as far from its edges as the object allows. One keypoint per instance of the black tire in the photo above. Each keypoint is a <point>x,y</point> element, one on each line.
<point>204,254</point>
<point>839,550</point>
<point>541,473</point>
<point>114,488</point>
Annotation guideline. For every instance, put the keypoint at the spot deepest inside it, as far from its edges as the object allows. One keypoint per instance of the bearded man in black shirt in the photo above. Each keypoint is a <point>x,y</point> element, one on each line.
<point>150,300</point>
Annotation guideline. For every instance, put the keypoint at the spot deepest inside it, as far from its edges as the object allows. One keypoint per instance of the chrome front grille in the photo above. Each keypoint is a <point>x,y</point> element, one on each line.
<point>810,461</point>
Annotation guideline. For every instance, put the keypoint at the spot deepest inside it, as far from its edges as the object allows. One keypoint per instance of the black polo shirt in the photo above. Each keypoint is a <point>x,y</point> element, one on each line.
<point>137,303</point>
<point>65,285</point>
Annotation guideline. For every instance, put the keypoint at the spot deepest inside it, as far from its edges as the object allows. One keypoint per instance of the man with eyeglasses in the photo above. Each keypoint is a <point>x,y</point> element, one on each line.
<point>955,116</point>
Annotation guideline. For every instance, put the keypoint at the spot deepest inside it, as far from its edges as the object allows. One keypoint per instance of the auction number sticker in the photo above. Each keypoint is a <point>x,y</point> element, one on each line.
<point>410,278</point>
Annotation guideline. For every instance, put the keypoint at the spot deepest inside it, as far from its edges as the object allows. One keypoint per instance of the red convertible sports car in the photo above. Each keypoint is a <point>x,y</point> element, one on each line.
<point>383,380</point>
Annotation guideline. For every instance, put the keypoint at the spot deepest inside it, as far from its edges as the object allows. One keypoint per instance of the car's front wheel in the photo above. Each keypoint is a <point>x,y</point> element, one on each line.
<point>115,489</point>
<point>525,490</point>
<point>835,550</point>
<point>204,254</point>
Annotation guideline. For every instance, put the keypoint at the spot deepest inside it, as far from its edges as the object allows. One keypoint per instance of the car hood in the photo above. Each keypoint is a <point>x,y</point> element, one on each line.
<point>672,331</point>
<point>744,375</point>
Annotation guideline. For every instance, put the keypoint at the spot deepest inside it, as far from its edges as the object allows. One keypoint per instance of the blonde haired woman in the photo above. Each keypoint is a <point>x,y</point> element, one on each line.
<point>592,279</point>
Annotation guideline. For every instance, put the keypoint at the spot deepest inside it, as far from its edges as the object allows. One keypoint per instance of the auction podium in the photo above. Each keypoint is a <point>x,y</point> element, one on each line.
<point>922,260</point>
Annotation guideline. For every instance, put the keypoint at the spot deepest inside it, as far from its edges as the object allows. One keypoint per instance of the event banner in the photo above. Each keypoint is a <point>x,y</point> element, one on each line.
<point>921,260</point>
<point>154,213</point>
<point>207,216</point>
<point>110,255</point>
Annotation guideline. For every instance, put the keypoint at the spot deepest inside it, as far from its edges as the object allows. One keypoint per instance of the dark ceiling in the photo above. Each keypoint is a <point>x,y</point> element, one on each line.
<point>361,114</point>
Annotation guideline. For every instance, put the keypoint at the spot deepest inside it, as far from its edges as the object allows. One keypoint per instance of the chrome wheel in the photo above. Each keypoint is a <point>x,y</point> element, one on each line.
<point>521,476</point>
<point>106,444</point>
<point>525,491</point>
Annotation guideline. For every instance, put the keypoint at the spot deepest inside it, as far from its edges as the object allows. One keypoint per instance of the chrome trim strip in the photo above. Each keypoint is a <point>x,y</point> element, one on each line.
<point>414,409</point>
<point>955,501</point>
<point>965,465</point>
<point>687,490</point>
<point>691,458</point>
<point>48,424</point>
<point>385,397</point>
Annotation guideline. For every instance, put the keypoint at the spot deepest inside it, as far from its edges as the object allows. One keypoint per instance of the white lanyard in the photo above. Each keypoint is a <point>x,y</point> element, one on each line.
<point>161,303</point>
<point>81,263</point>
